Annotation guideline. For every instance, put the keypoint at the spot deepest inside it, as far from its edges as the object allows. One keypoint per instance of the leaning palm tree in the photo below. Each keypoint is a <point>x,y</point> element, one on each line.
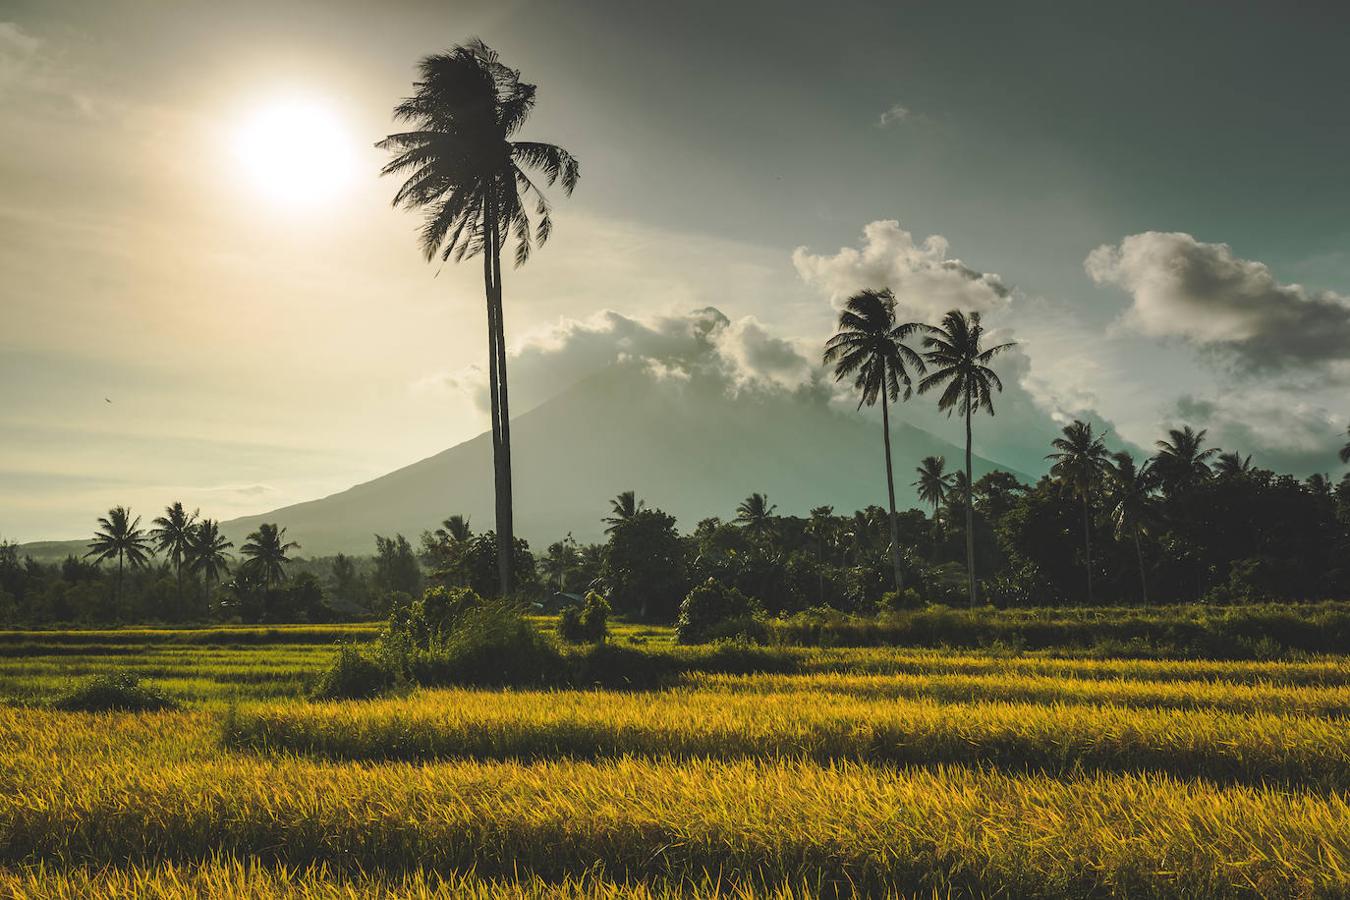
<point>755,514</point>
<point>265,554</point>
<point>1183,460</point>
<point>1232,465</point>
<point>870,348</point>
<point>172,535</point>
<point>960,361</point>
<point>466,171</point>
<point>119,536</point>
<point>206,554</point>
<point>1080,459</point>
<point>622,508</point>
<point>934,482</point>
<point>1134,510</point>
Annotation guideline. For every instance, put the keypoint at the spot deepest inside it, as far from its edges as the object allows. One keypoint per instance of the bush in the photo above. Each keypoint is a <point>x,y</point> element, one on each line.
<point>120,691</point>
<point>492,644</point>
<point>623,668</point>
<point>588,624</point>
<point>712,611</point>
<point>352,676</point>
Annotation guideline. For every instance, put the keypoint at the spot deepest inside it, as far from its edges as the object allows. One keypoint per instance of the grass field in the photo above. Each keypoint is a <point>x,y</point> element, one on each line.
<point>853,771</point>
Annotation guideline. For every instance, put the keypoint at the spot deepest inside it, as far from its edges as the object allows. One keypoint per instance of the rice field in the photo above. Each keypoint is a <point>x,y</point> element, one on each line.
<point>856,772</point>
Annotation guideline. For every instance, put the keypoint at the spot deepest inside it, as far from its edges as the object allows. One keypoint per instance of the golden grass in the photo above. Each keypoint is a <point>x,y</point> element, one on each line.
<point>106,790</point>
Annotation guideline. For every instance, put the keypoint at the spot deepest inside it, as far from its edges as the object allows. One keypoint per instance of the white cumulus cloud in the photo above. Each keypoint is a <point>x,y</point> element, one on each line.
<point>925,279</point>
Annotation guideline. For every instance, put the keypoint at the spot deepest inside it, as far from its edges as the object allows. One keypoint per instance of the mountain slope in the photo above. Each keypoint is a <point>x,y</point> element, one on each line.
<point>684,446</point>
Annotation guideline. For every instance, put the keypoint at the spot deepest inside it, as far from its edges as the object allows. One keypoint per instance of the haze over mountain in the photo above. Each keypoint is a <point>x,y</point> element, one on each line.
<point>685,445</point>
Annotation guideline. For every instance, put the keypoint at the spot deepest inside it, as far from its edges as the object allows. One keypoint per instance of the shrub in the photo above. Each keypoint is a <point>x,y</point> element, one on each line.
<point>623,668</point>
<point>588,624</point>
<point>713,610</point>
<point>352,676</point>
<point>121,691</point>
<point>492,644</point>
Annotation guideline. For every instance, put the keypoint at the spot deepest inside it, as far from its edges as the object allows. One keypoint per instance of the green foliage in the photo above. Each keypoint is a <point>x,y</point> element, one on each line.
<point>115,691</point>
<point>352,676</point>
<point>587,623</point>
<point>396,566</point>
<point>713,611</point>
<point>645,566</point>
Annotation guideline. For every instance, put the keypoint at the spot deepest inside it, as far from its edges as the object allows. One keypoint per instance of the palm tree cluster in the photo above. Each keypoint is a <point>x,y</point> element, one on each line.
<point>191,545</point>
<point>870,349</point>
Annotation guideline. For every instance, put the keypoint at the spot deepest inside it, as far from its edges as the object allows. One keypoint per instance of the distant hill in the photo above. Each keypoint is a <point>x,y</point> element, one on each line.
<point>688,447</point>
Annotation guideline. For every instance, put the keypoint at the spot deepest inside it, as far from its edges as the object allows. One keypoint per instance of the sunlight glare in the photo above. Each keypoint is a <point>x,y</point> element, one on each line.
<point>296,152</point>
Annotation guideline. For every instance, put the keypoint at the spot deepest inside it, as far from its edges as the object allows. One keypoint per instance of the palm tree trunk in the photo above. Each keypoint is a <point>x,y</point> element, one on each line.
<point>1087,545</point>
<point>506,531</point>
<point>890,488</point>
<point>970,509</point>
<point>178,573</point>
<point>494,396</point>
<point>1143,580</point>
<point>117,586</point>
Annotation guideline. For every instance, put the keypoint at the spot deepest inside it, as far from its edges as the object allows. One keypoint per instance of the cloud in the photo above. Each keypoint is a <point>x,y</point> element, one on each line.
<point>1219,303</point>
<point>1280,430</point>
<point>18,54</point>
<point>738,355</point>
<point>893,116</point>
<point>925,280</point>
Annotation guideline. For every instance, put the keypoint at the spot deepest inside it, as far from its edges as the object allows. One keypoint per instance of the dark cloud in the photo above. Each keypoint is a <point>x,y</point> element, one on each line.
<point>1231,308</point>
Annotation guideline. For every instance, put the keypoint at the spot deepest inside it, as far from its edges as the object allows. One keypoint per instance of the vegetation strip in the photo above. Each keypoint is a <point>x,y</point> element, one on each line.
<point>825,727</point>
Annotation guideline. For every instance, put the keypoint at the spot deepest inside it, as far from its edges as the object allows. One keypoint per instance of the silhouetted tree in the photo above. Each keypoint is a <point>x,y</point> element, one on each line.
<point>1134,510</point>
<point>172,535</point>
<point>821,527</point>
<point>870,348</point>
<point>933,483</point>
<point>1232,465</point>
<point>623,508</point>
<point>467,172</point>
<point>559,560</point>
<point>1345,448</point>
<point>206,554</point>
<point>755,515</point>
<point>119,536</point>
<point>956,352</point>
<point>265,554</point>
<point>1080,458</point>
<point>1182,461</point>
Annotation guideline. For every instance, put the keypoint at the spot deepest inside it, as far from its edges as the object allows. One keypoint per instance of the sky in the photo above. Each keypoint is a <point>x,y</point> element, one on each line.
<point>206,295</point>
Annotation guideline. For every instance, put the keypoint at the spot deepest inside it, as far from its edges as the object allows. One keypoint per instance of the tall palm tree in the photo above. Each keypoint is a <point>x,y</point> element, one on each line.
<point>1135,507</point>
<point>121,537</point>
<point>1182,460</point>
<point>466,171</point>
<point>755,514</point>
<point>1080,459</point>
<point>265,553</point>
<point>870,348</point>
<point>622,508</point>
<point>1232,465</point>
<point>206,554</point>
<point>172,535</point>
<point>955,349</point>
<point>934,482</point>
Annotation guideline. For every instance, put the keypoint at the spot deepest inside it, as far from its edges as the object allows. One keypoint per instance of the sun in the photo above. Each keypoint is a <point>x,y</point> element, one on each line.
<point>295,151</point>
